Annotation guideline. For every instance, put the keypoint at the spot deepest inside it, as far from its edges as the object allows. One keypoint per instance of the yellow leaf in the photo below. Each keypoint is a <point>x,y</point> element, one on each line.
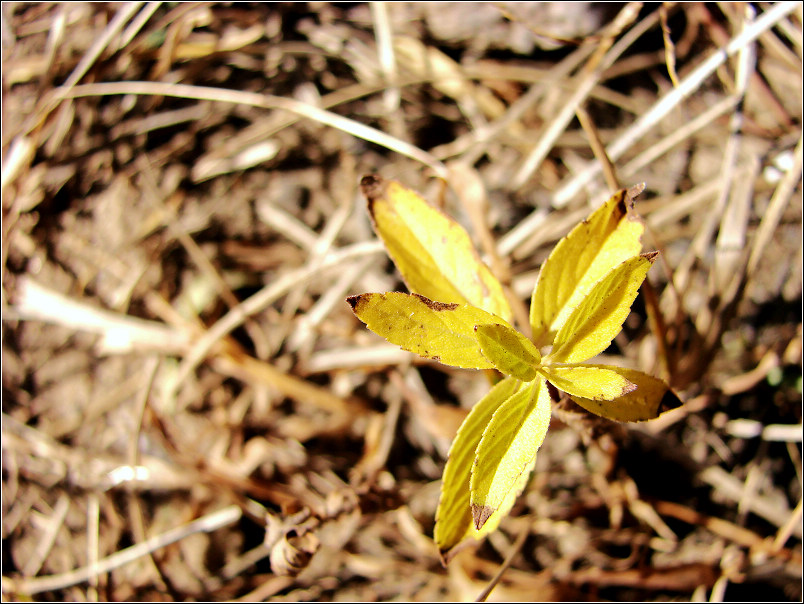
<point>507,452</point>
<point>510,352</point>
<point>592,325</point>
<point>651,398</point>
<point>453,517</point>
<point>597,382</point>
<point>434,330</point>
<point>433,252</point>
<point>593,248</point>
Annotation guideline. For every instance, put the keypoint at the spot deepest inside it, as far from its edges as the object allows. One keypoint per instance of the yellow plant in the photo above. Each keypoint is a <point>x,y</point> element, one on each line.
<point>458,314</point>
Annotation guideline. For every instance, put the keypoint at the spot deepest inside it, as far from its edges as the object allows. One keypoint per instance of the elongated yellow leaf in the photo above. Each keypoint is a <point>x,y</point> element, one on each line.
<point>434,330</point>
<point>593,248</point>
<point>507,451</point>
<point>510,352</point>
<point>433,252</point>
<point>651,398</point>
<point>597,382</point>
<point>593,324</point>
<point>454,517</point>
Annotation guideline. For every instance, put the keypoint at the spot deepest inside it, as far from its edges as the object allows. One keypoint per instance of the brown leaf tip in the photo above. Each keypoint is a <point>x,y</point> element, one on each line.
<point>353,301</point>
<point>372,186</point>
<point>669,402</point>
<point>437,306</point>
<point>629,388</point>
<point>480,514</point>
<point>634,191</point>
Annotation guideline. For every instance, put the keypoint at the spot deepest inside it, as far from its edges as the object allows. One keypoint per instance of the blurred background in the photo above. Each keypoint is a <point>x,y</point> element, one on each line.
<point>190,408</point>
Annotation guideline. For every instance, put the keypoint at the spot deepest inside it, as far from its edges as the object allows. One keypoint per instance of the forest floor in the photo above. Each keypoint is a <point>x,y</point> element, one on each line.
<point>191,410</point>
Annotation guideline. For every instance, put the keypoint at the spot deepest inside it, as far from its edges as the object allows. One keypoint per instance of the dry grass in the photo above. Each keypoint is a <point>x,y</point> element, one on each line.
<point>190,409</point>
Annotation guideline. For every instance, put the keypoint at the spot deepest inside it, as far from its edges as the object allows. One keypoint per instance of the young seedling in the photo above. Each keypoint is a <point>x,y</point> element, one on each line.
<point>458,314</point>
